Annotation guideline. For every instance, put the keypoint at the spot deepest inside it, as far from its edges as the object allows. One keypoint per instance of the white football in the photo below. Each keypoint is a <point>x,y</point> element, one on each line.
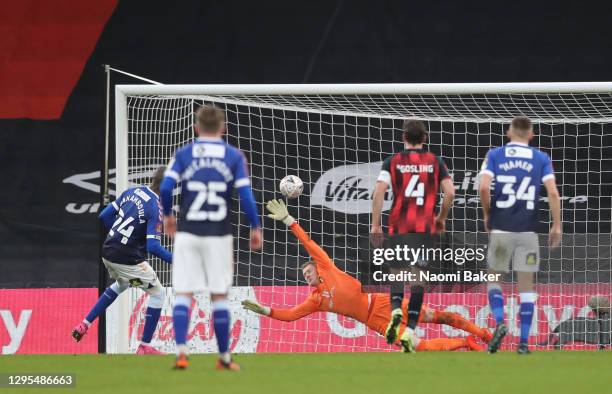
<point>291,186</point>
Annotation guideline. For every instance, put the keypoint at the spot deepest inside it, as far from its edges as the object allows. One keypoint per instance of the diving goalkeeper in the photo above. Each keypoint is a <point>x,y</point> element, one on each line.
<point>336,291</point>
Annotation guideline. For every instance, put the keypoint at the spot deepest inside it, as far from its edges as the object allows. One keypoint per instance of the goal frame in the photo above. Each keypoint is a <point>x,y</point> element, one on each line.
<point>117,322</point>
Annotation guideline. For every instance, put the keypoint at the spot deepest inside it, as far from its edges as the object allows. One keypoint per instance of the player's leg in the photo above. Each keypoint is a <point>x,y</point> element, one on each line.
<point>455,320</point>
<point>498,259</point>
<point>187,278</point>
<point>442,344</point>
<point>106,299</point>
<point>415,303</point>
<point>219,267</point>
<point>156,294</point>
<point>526,263</point>
<point>396,296</point>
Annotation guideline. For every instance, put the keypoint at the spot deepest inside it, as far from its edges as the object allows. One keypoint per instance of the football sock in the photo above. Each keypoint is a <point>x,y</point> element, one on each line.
<point>221,324</point>
<point>496,301</point>
<point>414,305</point>
<point>457,321</point>
<point>103,302</point>
<point>151,319</point>
<point>396,299</point>
<point>180,318</point>
<point>526,311</point>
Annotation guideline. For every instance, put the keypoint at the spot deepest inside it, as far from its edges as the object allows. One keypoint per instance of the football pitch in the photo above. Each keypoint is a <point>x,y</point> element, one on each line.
<point>462,372</point>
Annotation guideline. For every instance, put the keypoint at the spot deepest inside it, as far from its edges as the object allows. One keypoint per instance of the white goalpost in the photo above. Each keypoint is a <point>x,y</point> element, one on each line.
<point>335,137</point>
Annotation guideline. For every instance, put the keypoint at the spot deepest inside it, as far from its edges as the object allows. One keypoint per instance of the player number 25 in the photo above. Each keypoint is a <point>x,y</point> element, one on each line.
<point>525,191</point>
<point>207,193</point>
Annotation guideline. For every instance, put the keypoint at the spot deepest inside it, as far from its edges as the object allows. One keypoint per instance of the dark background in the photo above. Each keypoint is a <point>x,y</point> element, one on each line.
<point>42,245</point>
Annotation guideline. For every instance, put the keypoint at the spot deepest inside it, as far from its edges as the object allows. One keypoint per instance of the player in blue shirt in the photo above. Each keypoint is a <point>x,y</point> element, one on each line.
<point>208,170</point>
<point>511,216</point>
<point>134,223</point>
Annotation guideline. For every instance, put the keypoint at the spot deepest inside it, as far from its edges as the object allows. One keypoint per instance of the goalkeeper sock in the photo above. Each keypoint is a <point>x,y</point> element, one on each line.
<point>180,320</point>
<point>221,324</point>
<point>151,319</point>
<point>526,311</point>
<point>457,321</point>
<point>496,301</point>
<point>414,305</point>
<point>104,302</point>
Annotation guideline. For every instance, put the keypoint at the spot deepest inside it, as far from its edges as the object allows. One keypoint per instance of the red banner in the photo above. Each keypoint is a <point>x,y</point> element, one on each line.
<point>40,320</point>
<point>328,332</point>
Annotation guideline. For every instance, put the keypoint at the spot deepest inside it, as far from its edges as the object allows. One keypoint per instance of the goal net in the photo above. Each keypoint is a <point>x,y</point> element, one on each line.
<point>335,137</point>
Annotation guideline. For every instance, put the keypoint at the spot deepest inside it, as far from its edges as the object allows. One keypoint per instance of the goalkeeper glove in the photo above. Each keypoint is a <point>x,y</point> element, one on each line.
<point>278,211</point>
<point>255,307</point>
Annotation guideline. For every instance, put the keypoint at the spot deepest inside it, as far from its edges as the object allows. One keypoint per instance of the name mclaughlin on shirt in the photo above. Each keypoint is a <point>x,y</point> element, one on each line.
<point>426,276</point>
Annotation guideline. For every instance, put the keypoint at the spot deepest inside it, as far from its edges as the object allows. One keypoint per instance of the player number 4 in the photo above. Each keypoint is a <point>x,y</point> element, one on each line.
<point>415,189</point>
<point>525,191</point>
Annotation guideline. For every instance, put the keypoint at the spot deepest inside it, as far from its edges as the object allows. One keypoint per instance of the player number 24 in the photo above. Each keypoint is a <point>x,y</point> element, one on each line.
<point>121,226</point>
<point>207,193</point>
<point>525,191</point>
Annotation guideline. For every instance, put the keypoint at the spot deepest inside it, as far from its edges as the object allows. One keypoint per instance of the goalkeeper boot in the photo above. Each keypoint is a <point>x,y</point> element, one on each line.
<point>146,350</point>
<point>394,325</point>
<point>498,335</point>
<point>231,366</point>
<point>485,335</point>
<point>182,361</point>
<point>474,344</point>
<point>79,331</point>
<point>408,341</point>
<point>523,349</point>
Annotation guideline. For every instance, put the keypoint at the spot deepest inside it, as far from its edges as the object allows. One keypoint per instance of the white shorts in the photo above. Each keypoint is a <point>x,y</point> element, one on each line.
<point>522,249</point>
<point>139,275</point>
<point>202,262</point>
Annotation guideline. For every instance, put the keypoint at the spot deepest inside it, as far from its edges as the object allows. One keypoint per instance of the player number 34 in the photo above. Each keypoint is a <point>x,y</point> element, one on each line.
<point>525,191</point>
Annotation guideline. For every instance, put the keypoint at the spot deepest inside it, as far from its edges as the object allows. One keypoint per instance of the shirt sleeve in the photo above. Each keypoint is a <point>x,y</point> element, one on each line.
<point>385,172</point>
<point>241,172</point>
<point>154,220</point>
<point>306,308</point>
<point>314,250</point>
<point>174,169</point>
<point>488,166</point>
<point>547,172</point>
<point>444,173</point>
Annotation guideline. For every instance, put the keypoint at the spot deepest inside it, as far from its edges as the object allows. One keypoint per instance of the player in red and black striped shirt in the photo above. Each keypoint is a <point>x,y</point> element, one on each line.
<point>415,176</point>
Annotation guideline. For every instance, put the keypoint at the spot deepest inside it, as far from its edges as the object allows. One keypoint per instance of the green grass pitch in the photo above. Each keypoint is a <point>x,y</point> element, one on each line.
<point>542,372</point>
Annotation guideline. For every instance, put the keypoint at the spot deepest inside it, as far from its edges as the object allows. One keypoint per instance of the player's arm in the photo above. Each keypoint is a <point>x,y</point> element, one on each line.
<point>448,190</point>
<point>154,229</point>
<point>306,308</point>
<point>247,201</point>
<point>107,216</point>
<point>554,202</point>
<point>484,189</point>
<point>278,211</point>
<point>382,184</point>
<point>171,178</point>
